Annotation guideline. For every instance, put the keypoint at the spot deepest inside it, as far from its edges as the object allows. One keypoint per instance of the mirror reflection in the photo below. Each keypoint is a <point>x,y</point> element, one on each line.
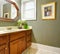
<point>7,10</point>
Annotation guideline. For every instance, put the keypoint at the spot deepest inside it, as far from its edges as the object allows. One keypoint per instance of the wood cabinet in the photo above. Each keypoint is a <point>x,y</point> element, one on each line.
<point>15,43</point>
<point>17,46</point>
<point>4,44</point>
<point>22,45</point>
<point>4,49</point>
<point>28,37</point>
<point>14,47</point>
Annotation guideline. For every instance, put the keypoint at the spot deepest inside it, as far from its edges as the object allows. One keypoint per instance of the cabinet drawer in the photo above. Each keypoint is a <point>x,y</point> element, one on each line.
<point>3,39</point>
<point>16,35</point>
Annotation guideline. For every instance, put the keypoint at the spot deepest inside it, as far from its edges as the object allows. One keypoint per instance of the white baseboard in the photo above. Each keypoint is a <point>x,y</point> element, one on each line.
<point>53,50</point>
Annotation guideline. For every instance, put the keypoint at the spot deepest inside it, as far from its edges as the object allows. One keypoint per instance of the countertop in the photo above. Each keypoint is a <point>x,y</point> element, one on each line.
<point>4,30</point>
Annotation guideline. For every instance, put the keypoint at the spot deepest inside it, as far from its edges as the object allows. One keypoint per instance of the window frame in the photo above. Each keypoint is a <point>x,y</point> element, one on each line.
<point>22,10</point>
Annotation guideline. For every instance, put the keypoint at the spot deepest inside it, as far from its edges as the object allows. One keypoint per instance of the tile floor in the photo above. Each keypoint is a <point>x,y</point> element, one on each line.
<point>34,49</point>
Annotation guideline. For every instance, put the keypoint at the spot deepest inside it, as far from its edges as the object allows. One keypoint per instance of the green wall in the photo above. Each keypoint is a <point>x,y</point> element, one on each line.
<point>2,23</point>
<point>46,32</point>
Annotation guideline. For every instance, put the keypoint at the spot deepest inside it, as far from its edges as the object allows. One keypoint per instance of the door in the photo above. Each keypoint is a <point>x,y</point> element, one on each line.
<point>4,49</point>
<point>22,45</point>
<point>14,47</point>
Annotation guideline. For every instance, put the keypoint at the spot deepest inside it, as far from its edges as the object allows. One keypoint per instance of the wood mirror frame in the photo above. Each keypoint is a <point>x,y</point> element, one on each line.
<point>16,18</point>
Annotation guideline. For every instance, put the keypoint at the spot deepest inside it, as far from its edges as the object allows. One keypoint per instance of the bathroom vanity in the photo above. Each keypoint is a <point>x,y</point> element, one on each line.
<point>15,42</point>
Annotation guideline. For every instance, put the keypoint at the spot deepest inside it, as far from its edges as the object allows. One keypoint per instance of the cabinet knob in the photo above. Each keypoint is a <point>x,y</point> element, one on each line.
<point>6,48</point>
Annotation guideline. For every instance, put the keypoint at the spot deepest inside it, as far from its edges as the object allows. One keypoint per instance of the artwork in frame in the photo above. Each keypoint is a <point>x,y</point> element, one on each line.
<point>48,11</point>
<point>6,15</point>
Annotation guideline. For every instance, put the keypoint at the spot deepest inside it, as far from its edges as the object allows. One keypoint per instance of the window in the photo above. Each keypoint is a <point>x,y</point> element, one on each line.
<point>28,9</point>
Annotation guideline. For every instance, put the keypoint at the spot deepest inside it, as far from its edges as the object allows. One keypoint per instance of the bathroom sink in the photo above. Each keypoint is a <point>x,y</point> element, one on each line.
<point>9,31</point>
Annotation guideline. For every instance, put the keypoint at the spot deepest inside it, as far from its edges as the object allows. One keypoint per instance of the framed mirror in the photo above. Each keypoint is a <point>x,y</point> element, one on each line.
<point>9,10</point>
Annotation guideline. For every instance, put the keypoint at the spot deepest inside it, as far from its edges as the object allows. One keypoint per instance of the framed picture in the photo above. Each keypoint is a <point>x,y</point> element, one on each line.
<point>48,11</point>
<point>6,15</point>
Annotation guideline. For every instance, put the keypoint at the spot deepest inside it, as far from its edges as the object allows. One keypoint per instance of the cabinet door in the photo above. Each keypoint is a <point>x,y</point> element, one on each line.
<point>14,47</point>
<point>4,49</point>
<point>22,45</point>
<point>28,37</point>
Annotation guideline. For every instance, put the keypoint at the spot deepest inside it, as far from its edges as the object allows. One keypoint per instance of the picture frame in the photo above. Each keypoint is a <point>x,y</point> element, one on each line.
<point>48,11</point>
<point>6,15</point>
